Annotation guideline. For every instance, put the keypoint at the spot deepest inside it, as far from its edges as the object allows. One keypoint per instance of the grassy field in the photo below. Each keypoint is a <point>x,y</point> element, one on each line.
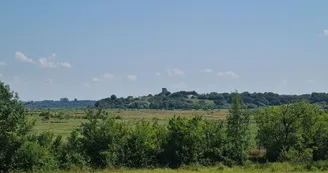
<point>64,126</point>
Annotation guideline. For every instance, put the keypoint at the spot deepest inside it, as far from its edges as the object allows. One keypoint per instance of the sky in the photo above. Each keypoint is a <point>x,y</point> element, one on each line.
<point>92,49</point>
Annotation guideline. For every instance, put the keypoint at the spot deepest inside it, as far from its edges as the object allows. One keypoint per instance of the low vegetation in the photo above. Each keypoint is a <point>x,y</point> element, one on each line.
<point>293,135</point>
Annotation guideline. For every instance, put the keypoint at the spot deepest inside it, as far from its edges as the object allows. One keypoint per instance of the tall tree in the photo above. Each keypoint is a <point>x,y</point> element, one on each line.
<point>238,135</point>
<point>13,125</point>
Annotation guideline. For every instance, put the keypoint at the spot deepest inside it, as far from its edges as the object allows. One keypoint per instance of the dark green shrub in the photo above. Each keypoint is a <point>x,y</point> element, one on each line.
<point>71,153</point>
<point>102,139</point>
<point>185,142</point>
<point>215,139</point>
<point>13,125</point>
<point>296,156</point>
<point>32,157</point>
<point>299,127</point>
<point>144,145</point>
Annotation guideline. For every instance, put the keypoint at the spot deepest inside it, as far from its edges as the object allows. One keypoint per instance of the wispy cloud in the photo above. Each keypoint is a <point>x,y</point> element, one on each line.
<point>3,63</point>
<point>176,72</point>
<point>207,70</point>
<point>21,57</point>
<point>49,62</point>
<point>157,73</point>
<point>65,64</point>
<point>108,75</point>
<point>228,74</point>
<point>132,77</point>
<point>0,75</point>
<point>95,79</point>
<point>325,32</point>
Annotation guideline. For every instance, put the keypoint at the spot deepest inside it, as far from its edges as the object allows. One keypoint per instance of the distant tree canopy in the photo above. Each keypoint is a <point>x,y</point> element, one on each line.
<point>183,100</point>
<point>59,104</point>
<point>213,100</point>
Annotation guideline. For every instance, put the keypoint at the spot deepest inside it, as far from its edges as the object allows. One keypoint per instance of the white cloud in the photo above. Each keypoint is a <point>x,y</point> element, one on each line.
<point>65,64</point>
<point>228,74</point>
<point>157,73</point>
<point>3,63</point>
<point>132,77</point>
<point>21,57</point>
<point>0,75</point>
<point>325,32</point>
<point>176,72</point>
<point>49,62</point>
<point>108,75</point>
<point>207,70</point>
<point>94,79</point>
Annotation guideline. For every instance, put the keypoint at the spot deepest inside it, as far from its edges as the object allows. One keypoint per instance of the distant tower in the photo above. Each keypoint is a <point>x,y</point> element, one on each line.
<point>164,90</point>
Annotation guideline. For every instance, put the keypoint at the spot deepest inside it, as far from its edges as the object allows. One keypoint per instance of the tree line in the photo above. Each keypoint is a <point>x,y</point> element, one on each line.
<point>182,100</point>
<point>62,103</point>
<point>295,132</point>
<point>213,100</point>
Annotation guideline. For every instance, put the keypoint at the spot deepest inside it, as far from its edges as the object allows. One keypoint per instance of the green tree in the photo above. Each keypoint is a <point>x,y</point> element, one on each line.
<point>238,135</point>
<point>185,142</point>
<point>13,125</point>
<point>288,131</point>
<point>101,138</point>
<point>144,145</point>
<point>33,157</point>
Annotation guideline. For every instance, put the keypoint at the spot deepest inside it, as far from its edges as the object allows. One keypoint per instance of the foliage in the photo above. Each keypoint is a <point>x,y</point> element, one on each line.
<point>32,157</point>
<point>185,141</point>
<point>144,145</point>
<point>299,127</point>
<point>13,125</point>
<point>238,136</point>
<point>213,100</point>
<point>293,132</point>
<point>101,139</point>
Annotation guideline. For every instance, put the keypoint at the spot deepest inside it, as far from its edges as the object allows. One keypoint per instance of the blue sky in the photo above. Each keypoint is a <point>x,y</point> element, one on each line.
<point>91,49</point>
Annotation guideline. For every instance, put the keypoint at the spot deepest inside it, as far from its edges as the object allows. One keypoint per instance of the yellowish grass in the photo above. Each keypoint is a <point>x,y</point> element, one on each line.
<point>65,126</point>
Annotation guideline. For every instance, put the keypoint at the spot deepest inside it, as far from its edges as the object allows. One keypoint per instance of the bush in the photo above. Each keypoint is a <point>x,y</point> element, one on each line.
<point>185,143</point>
<point>45,115</point>
<point>215,139</point>
<point>144,145</point>
<point>71,154</point>
<point>295,156</point>
<point>299,127</point>
<point>13,125</point>
<point>32,157</point>
<point>102,139</point>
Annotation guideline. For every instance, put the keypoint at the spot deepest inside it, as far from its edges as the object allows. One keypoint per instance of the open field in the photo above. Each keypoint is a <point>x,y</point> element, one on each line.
<point>74,118</point>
